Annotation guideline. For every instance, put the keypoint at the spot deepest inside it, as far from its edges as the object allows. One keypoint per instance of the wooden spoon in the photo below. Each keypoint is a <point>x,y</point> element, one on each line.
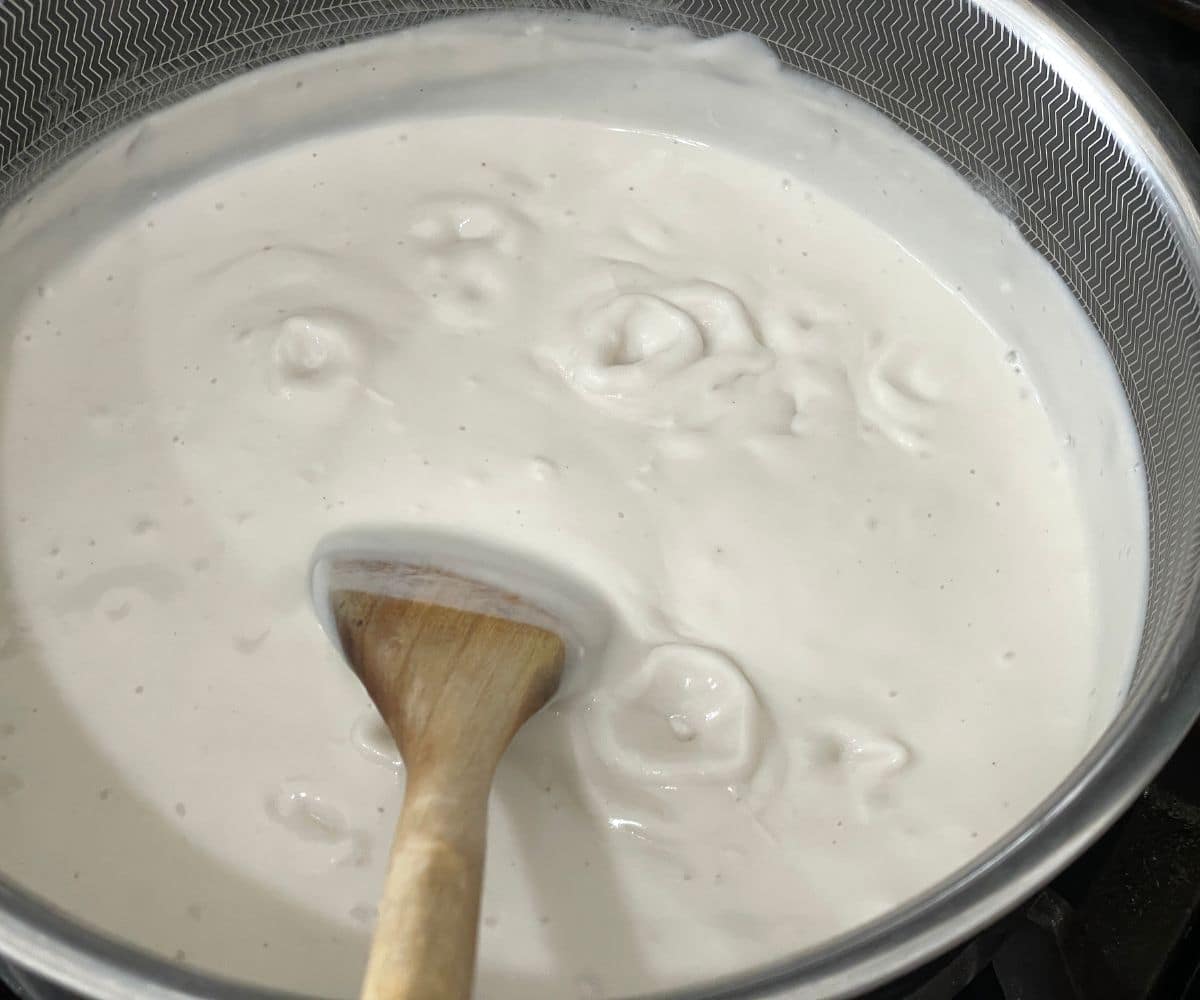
<point>455,673</point>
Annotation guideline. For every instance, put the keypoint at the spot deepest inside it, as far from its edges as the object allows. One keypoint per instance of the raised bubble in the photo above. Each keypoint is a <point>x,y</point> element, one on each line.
<point>311,819</point>
<point>665,355</point>
<point>312,350</point>
<point>687,715</point>
<point>371,738</point>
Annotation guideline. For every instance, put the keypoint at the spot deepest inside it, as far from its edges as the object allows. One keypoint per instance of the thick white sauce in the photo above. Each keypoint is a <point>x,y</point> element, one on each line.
<point>839,450</point>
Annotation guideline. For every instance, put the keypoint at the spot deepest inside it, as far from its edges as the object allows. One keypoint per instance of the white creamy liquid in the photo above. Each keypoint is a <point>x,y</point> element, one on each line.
<point>840,451</point>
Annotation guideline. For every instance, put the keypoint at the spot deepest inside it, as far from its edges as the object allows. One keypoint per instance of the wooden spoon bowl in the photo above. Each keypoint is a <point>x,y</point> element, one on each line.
<point>455,666</point>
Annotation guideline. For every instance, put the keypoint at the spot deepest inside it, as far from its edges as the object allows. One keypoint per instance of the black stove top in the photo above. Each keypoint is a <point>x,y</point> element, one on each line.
<point>1123,922</point>
<point>1161,40</point>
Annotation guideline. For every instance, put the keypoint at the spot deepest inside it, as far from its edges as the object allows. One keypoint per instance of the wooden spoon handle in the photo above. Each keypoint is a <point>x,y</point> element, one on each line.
<point>424,945</point>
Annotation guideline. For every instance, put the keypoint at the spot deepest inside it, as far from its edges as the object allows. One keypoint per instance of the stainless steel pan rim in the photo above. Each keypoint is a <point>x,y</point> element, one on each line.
<point>1157,715</point>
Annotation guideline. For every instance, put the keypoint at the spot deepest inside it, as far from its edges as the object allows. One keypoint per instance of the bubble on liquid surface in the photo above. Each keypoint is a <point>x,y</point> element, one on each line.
<point>444,222</point>
<point>312,820</point>
<point>471,252</point>
<point>312,350</point>
<point>891,389</point>
<point>114,594</point>
<point>687,715</point>
<point>304,348</point>
<point>371,738</point>
<point>663,355</point>
<point>543,469</point>
<point>863,755</point>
